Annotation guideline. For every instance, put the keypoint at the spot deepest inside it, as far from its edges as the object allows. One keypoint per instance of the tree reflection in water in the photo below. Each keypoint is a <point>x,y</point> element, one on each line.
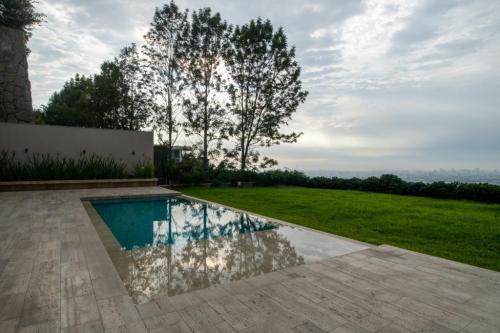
<point>198,246</point>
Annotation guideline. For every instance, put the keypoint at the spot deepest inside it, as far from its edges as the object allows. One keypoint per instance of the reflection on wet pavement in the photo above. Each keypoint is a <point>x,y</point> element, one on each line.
<point>170,246</point>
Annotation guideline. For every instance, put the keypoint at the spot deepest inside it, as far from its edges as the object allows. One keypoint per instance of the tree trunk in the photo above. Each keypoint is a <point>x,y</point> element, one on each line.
<point>205,140</point>
<point>205,149</point>
<point>15,87</point>
<point>205,130</point>
<point>170,145</point>
<point>243,161</point>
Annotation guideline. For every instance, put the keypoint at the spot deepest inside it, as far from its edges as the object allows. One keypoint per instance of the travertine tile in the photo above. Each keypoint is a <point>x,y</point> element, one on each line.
<point>75,280</point>
<point>39,309</point>
<point>157,323</point>
<point>136,327</point>
<point>55,271</point>
<point>90,327</point>
<point>8,326</point>
<point>307,327</point>
<point>108,287</point>
<point>117,311</point>
<point>45,284</point>
<point>11,306</point>
<point>150,309</point>
<point>11,284</point>
<point>78,310</point>
<point>42,327</point>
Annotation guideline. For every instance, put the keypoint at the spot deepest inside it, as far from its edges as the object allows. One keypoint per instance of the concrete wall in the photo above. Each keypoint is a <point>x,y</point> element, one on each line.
<point>128,146</point>
<point>15,88</point>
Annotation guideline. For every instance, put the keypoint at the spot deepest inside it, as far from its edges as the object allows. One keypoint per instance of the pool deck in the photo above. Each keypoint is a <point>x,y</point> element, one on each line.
<point>55,275</point>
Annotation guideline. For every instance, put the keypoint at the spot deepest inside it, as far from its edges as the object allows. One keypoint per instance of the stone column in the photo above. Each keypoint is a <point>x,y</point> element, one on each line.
<point>15,87</point>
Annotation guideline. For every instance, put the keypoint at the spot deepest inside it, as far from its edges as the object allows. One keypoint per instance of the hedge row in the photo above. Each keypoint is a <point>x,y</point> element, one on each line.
<point>383,184</point>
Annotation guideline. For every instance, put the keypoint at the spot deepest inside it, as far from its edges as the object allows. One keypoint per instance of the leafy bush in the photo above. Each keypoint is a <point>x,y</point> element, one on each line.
<point>143,169</point>
<point>49,167</point>
<point>188,171</point>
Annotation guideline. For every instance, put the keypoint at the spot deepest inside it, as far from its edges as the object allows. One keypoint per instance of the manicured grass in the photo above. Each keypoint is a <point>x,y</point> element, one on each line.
<point>464,231</point>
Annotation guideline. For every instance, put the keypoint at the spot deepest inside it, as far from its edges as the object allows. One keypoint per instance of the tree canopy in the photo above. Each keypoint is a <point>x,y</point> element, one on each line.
<point>204,43</point>
<point>264,89</point>
<point>114,98</point>
<point>234,90</point>
<point>20,14</point>
<point>163,72</point>
<point>72,106</point>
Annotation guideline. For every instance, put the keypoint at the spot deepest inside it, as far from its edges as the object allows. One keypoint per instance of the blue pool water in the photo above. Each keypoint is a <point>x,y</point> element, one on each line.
<point>146,222</point>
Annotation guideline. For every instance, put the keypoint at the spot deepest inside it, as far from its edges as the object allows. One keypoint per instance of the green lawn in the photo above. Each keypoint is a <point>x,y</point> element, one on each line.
<point>459,230</point>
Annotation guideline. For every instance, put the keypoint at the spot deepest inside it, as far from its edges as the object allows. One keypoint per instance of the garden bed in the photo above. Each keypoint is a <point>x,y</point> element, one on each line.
<point>75,184</point>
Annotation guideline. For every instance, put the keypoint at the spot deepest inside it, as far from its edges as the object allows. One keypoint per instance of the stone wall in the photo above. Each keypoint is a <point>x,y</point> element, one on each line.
<point>15,87</point>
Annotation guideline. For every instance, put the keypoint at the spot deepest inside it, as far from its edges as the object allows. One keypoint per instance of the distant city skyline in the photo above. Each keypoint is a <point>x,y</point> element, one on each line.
<point>451,175</point>
<point>392,84</point>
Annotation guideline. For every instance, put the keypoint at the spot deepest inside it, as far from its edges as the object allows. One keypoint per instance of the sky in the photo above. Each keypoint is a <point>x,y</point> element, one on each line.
<point>393,84</point>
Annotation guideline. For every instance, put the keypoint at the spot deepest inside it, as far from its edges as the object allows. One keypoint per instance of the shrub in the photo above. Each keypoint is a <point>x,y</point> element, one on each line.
<point>394,184</point>
<point>143,169</point>
<point>50,167</point>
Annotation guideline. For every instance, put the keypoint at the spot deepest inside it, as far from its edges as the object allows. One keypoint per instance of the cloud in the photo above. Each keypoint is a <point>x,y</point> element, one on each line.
<point>392,83</point>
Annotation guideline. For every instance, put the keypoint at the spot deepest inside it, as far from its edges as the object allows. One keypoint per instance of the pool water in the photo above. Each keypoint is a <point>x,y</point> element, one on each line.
<point>153,222</point>
<point>172,245</point>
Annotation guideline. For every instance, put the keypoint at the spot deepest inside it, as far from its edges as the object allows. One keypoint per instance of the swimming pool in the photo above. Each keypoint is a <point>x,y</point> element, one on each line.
<point>172,245</point>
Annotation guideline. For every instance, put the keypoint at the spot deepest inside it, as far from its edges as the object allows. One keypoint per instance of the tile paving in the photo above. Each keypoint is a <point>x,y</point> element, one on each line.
<point>56,276</point>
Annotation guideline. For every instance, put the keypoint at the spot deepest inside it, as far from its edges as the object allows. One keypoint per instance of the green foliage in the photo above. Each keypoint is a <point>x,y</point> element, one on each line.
<point>20,14</point>
<point>240,84</point>
<point>135,105</point>
<point>107,94</point>
<point>264,90</point>
<point>163,79</point>
<point>72,106</point>
<point>114,98</point>
<point>394,184</point>
<point>143,169</point>
<point>204,40</point>
<point>458,230</point>
<point>191,172</point>
<point>49,167</point>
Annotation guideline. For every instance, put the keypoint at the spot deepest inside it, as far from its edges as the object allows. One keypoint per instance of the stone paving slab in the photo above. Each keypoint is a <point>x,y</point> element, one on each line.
<point>56,276</point>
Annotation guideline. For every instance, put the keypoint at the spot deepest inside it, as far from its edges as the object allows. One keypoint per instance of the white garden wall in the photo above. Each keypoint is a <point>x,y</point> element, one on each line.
<point>26,139</point>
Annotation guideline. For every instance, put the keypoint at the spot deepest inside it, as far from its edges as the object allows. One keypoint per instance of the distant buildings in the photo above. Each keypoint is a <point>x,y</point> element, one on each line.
<point>452,175</point>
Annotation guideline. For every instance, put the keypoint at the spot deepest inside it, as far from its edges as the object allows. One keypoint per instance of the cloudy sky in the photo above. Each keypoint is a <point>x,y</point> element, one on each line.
<point>393,84</point>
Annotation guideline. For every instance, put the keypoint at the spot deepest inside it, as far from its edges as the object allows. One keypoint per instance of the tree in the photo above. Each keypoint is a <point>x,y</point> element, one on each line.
<point>136,104</point>
<point>124,91</point>
<point>203,47</point>
<point>163,42</point>
<point>265,89</point>
<point>106,95</point>
<point>72,106</point>
<point>20,14</point>
<point>114,98</point>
